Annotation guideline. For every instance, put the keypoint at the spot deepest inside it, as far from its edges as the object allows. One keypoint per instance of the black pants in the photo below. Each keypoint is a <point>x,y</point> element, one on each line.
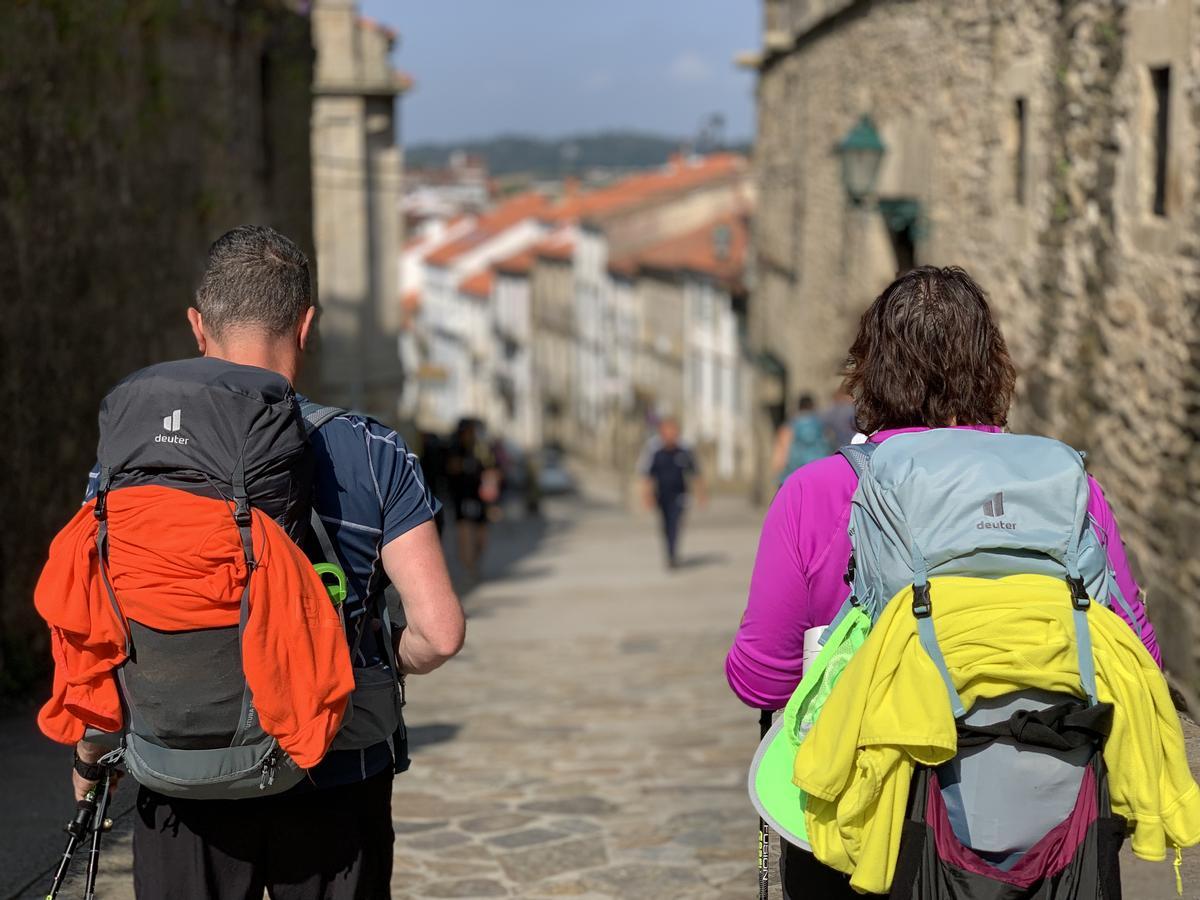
<point>671,507</point>
<point>332,844</point>
<point>805,878</point>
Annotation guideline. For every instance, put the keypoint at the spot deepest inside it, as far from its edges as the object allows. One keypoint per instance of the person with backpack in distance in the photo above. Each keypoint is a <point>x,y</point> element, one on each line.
<point>896,765</point>
<point>217,608</point>
<point>801,440</point>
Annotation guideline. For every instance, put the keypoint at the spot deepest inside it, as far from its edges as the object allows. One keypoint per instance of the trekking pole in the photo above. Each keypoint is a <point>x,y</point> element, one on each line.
<point>85,809</point>
<point>764,833</point>
<point>100,824</point>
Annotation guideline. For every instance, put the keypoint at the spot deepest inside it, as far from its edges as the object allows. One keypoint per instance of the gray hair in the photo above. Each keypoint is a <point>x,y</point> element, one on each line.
<point>255,279</point>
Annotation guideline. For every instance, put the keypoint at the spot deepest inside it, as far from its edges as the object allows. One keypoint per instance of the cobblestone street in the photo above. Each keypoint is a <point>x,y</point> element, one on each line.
<point>585,744</point>
<point>587,735</point>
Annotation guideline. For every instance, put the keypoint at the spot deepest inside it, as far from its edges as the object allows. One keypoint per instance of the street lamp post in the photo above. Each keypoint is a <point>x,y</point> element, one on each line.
<point>861,151</point>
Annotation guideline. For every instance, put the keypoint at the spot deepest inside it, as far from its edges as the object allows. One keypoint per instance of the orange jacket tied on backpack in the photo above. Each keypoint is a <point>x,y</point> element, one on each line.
<point>176,563</point>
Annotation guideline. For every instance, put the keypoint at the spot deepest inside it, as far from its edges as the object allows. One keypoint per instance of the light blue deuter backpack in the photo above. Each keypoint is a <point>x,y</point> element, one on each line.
<point>955,501</point>
<point>983,505</point>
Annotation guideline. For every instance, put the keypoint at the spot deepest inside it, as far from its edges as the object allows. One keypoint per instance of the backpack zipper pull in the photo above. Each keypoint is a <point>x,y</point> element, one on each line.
<point>268,772</point>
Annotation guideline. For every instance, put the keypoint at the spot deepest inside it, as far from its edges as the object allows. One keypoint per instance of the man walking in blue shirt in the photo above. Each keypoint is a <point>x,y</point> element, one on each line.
<point>669,471</point>
<point>330,837</point>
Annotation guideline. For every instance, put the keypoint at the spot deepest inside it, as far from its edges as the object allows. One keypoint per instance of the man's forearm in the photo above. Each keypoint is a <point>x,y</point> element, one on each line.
<point>417,655</point>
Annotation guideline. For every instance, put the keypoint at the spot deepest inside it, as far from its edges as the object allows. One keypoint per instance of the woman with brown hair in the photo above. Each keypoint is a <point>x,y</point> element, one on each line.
<point>928,354</point>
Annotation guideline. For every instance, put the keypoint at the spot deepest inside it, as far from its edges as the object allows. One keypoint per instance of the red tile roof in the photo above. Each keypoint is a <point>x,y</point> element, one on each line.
<point>523,206</point>
<point>478,285</point>
<point>680,174</point>
<point>517,264</point>
<point>716,249</point>
<point>417,240</point>
<point>559,247</point>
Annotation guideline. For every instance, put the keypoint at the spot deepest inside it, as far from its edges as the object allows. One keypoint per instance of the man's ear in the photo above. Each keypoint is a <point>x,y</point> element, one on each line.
<point>306,325</point>
<point>197,323</point>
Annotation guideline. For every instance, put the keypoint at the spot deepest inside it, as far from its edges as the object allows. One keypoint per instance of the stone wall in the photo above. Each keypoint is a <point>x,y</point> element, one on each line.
<point>357,170</point>
<point>132,134</point>
<point>1098,294</point>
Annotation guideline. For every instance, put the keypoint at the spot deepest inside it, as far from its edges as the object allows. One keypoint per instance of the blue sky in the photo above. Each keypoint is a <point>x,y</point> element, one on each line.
<point>552,67</point>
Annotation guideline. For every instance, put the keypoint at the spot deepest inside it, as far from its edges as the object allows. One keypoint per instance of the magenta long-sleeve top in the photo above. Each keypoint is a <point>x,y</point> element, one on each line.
<point>797,582</point>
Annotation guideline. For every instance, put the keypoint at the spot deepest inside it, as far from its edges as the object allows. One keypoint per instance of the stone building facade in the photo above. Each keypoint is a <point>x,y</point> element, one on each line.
<point>1049,146</point>
<point>357,171</point>
<point>132,134</point>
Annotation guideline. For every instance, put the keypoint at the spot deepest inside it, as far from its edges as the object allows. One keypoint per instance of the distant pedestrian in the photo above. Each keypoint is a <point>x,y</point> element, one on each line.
<point>669,473</point>
<point>800,441</point>
<point>840,426</point>
<point>474,482</point>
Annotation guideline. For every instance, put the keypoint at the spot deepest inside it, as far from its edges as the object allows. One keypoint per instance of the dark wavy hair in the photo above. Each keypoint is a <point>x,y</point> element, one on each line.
<point>928,353</point>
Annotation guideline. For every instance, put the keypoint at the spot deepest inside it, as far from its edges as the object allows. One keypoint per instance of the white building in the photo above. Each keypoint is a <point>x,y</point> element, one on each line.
<point>515,412</point>
<point>695,283</point>
<point>456,313</point>
<point>617,223</point>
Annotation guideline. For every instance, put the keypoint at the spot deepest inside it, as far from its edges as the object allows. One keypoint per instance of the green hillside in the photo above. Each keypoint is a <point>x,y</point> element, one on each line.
<point>509,154</point>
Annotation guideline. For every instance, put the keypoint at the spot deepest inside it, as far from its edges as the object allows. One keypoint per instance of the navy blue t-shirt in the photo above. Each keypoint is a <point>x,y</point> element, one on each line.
<point>368,490</point>
<point>670,468</point>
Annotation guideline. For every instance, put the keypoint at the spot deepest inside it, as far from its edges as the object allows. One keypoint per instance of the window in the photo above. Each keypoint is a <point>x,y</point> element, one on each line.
<point>1160,80</point>
<point>1019,149</point>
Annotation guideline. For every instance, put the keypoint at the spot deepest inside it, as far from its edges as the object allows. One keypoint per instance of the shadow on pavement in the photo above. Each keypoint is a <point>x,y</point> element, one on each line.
<point>512,540</point>
<point>700,560</point>
<point>37,802</point>
<point>421,736</point>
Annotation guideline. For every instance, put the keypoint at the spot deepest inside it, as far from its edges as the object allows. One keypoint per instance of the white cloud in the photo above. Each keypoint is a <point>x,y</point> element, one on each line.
<point>689,67</point>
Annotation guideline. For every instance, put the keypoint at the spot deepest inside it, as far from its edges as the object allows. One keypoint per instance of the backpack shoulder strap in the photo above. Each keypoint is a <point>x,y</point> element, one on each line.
<point>315,415</point>
<point>859,456</point>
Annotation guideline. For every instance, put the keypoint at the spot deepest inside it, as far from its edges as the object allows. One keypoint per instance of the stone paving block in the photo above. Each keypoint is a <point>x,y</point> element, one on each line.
<point>648,882</point>
<point>418,827</point>
<point>527,838</point>
<point>536,863</point>
<point>583,806</point>
<point>436,840</point>
<point>576,826</point>
<point>501,821</point>
<point>466,887</point>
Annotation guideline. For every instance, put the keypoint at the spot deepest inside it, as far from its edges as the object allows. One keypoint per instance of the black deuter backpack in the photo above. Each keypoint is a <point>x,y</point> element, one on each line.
<point>220,430</point>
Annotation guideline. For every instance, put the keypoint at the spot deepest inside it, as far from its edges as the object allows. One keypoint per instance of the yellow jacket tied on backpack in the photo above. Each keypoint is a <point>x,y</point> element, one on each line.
<point>890,711</point>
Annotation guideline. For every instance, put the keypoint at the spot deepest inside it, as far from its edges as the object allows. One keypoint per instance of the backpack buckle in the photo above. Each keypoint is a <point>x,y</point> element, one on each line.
<point>241,513</point>
<point>101,509</point>
<point>850,569</point>
<point>922,606</point>
<point>1079,594</point>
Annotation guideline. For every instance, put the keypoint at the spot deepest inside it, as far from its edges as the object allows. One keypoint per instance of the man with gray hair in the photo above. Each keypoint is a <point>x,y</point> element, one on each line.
<point>331,836</point>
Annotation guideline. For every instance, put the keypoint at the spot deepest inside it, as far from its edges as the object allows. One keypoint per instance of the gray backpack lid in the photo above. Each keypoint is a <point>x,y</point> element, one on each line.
<point>961,502</point>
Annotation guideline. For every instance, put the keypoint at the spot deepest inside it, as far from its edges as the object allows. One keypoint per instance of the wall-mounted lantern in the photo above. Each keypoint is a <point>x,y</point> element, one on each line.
<point>862,152</point>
